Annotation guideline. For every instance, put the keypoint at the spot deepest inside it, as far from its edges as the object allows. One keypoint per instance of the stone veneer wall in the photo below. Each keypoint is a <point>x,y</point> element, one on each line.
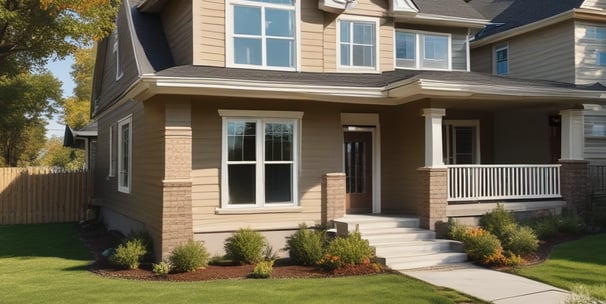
<point>333,197</point>
<point>575,185</point>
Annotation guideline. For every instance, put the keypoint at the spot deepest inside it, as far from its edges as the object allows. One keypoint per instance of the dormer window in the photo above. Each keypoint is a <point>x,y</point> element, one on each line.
<point>423,50</point>
<point>262,34</point>
<point>116,52</point>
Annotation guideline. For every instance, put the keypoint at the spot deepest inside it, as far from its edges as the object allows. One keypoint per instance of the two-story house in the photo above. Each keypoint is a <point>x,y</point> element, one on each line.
<point>219,114</point>
<point>552,40</point>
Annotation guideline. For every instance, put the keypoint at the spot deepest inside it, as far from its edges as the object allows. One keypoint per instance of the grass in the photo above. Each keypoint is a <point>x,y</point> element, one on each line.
<point>575,264</point>
<point>48,264</point>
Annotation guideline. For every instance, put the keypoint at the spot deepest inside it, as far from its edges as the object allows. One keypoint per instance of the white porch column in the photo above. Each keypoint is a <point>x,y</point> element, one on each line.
<point>572,134</point>
<point>433,137</point>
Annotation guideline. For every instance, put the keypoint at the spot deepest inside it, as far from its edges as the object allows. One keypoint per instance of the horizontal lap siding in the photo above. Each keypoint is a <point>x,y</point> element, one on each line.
<point>587,69</point>
<point>209,32</point>
<point>312,28</point>
<point>544,54</point>
<point>597,4</point>
<point>177,21</point>
<point>481,60</point>
<point>321,145</point>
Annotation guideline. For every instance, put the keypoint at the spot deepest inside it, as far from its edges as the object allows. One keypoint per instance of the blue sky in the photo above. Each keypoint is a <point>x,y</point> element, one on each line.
<point>61,70</point>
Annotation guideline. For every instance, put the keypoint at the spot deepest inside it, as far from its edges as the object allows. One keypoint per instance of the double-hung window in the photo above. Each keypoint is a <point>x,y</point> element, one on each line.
<point>502,60</point>
<point>601,58</point>
<point>260,152</point>
<point>263,34</point>
<point>420,50</point>
<point>124,154</point>
<point>357,43</point>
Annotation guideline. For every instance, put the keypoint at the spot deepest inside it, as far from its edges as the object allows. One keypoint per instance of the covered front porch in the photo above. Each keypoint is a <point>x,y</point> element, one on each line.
<point>467,174</point>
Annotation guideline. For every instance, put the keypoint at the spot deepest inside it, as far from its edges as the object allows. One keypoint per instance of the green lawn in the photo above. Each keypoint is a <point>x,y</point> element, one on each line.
<point>581,262</point>
<point>47,264</point>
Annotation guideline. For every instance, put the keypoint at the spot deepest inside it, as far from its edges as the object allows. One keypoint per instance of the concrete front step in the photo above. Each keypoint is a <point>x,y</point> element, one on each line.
<point>418,234</point>
<point>426,260</point>
<point>416,248</point>
<point>365,222</point>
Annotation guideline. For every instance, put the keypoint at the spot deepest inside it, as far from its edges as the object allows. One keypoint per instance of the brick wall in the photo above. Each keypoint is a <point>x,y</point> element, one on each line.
<point>575,185</point>
<point>432,196</point>
<point>333,197</point>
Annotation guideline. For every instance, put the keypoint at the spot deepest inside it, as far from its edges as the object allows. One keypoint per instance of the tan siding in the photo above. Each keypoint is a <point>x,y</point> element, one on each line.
<point>386,46</point>
<point>587,69</point>
<point>481,59</point>
<point>312,28</point>
<point>209,32</point>
<point>595,143</point>
<point>370,8</point>
<point>330,45</point>
<point>598,4</point>
<point>177,21</point>
<point>511,148</point>
<point>545,54</point>
<point>320,128</point>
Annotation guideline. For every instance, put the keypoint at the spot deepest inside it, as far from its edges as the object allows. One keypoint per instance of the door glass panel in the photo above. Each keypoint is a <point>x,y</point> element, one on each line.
<point>355,166</point>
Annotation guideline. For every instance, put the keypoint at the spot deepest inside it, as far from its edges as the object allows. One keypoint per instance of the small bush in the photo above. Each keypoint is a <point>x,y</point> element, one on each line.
<point>147,242</point>
<point>189,257</point>
<point>497,220</point>
<point>546,227</point>
<point>262,270</point>
<point>128,255</point>
<point>521,240</point>
<point>350,250</point>
<point>482,246</point>
<point>161,269</point>
<point>306,247</point>
<point>569,224</point>
<point>330,262</point>
<point>245,246</point>
<point>456,231</point>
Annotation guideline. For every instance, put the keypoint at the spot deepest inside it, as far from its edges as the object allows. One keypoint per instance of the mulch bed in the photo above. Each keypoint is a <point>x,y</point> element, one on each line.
<point>97,239</point>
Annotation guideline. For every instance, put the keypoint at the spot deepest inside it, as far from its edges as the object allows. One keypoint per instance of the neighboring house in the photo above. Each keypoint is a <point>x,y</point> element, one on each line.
<point>219,114</point>
<point>551,40</point>
<point>84,138</point>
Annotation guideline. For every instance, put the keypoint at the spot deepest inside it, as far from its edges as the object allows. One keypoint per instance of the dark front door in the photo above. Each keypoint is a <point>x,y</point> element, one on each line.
<point>358,171</point>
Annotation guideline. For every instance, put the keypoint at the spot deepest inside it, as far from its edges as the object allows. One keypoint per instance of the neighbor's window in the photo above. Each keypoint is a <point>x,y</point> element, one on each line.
<point>259,159</point>
<point>420,50</point>
<point>124,154</point>
<point>112,155</point>
<point>358,44</point>
<point>601,58</point>
<point>595,32</point>
<point>263,33</point>
<point>502,60</point>
<point>116,52</point>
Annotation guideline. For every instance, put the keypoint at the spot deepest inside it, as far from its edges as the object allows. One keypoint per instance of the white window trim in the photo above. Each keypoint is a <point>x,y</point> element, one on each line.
<point>494,62</point>
<point>229,32</point>
<point>124,121</point>
<point>112,171</point>
<point>260,117</point>
<point>116,52</point>
<point>463,123</point>
<point>418,55</point>
<point>358,69</point>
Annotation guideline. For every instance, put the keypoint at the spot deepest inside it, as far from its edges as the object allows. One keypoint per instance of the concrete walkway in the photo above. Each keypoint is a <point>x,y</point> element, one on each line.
<point>490,285</point>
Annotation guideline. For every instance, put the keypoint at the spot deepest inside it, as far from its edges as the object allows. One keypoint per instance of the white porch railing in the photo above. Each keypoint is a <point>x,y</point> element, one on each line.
<point>499,182</point>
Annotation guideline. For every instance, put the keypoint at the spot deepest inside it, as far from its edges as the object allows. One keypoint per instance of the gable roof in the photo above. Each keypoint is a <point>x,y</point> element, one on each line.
<point>452,8</point>
<point>509,14</point>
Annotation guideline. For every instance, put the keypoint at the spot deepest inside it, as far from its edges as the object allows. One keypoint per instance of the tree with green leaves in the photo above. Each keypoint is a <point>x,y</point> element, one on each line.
<point>25,101</point>
<point>76,109</point>
<point>55,155</point>
<point>33,31</point>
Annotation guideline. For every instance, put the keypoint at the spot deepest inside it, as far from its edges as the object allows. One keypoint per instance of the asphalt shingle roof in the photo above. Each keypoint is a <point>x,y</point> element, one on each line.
<point>453,8</point>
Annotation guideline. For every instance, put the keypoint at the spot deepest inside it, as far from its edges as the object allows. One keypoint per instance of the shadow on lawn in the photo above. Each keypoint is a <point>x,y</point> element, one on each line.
<point>43,240</point>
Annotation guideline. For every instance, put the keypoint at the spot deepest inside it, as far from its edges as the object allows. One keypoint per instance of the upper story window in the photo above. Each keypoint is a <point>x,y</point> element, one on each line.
<point>116,52</point>
<point>502,60</point>
<point>357,43</point>
<point>601,58</point>
<point>595,32</point>
<point>422,50</point>
<point>262,34</point>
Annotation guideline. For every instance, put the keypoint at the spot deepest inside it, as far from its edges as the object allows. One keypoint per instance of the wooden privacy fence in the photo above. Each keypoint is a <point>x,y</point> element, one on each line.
<point>43,195</point>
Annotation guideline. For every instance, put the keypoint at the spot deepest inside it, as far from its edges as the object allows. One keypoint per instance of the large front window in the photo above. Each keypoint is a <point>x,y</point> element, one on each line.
<point>422,50</point>
<point>259,159</point>
<point>263,33</point>
<point>358,44</point>
<point>124,154</point>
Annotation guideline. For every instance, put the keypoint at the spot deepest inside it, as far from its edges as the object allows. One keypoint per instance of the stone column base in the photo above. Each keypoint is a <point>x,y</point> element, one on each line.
<point>575,187</point>
<point>432,197</point>
<point>177,222</point>
<point>333,197</point>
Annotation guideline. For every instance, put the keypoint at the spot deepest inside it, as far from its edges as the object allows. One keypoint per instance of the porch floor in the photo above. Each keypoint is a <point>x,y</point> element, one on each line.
<point>478,209</point>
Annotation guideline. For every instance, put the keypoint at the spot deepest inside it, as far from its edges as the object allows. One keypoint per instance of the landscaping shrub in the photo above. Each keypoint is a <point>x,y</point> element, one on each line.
<point>521,240</point>
<point>128,255</point>
<point>188,257</point>
<point>245,246</point>
<point>262,270</point>
<point>306,246</point>
<point>569,224</point>
<point>161,269</point>
<point>350,250</point>
<point>146,240</point>
<point>482,246</point>
<point>456,231</point>
<point>497,220</point>
<point>545,227</point>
